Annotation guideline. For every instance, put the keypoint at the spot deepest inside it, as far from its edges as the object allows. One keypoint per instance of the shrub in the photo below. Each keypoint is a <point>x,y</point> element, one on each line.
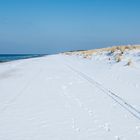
<point>118,58</point>
<point>87,56</point>
<point>129,63</point>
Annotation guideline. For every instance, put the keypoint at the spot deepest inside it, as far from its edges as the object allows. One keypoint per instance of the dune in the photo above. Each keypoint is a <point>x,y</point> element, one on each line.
<point>82,95</point>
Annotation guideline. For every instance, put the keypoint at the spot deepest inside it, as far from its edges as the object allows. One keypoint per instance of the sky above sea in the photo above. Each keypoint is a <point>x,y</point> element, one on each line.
<point>52,26</point>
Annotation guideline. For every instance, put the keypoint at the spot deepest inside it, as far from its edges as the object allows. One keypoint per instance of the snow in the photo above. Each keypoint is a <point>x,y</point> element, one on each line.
<point>62,97</point>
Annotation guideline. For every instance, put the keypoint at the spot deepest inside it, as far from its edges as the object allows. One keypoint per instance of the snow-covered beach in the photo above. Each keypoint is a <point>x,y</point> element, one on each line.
<point>69,97</point>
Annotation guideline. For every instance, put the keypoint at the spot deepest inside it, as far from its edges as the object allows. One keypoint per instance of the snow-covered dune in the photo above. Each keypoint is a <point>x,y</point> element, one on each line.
<point>68,97</point>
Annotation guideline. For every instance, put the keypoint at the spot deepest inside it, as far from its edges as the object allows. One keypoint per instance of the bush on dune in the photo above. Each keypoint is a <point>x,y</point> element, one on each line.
<point>129,63</point>
<point>118,58</point>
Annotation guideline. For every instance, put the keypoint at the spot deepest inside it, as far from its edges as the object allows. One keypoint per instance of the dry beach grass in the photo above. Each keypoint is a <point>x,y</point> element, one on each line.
<point>113,49</point>
<point>116,51</point>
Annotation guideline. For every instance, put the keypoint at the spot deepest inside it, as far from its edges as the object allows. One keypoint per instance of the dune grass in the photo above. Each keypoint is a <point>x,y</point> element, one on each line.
<point>113,49</point>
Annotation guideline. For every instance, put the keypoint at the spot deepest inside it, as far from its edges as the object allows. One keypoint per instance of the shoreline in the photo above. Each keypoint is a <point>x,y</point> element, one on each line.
<point>13,57</point>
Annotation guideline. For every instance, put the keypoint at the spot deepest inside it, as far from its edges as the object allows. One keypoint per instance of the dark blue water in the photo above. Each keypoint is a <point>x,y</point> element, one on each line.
<point>11,57</point>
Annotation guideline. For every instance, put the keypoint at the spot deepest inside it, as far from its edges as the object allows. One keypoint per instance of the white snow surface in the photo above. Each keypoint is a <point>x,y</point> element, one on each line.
<point>61,97</point>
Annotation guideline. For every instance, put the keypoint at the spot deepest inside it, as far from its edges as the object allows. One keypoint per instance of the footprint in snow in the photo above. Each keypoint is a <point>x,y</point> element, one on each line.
<point>74,126</point>
<point>119,138</point>
<point>43,124</point>
<point>90,112</point>
<point>106,127</point>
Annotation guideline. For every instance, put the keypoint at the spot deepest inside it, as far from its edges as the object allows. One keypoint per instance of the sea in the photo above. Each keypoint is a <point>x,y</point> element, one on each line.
<point>12,57</point>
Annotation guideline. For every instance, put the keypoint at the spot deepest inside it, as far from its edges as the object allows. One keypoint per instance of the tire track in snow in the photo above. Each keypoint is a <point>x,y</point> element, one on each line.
<point>116,98</point>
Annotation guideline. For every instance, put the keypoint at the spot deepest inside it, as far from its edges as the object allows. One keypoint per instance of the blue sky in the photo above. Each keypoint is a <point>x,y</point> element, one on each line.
<point>51,26</point>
